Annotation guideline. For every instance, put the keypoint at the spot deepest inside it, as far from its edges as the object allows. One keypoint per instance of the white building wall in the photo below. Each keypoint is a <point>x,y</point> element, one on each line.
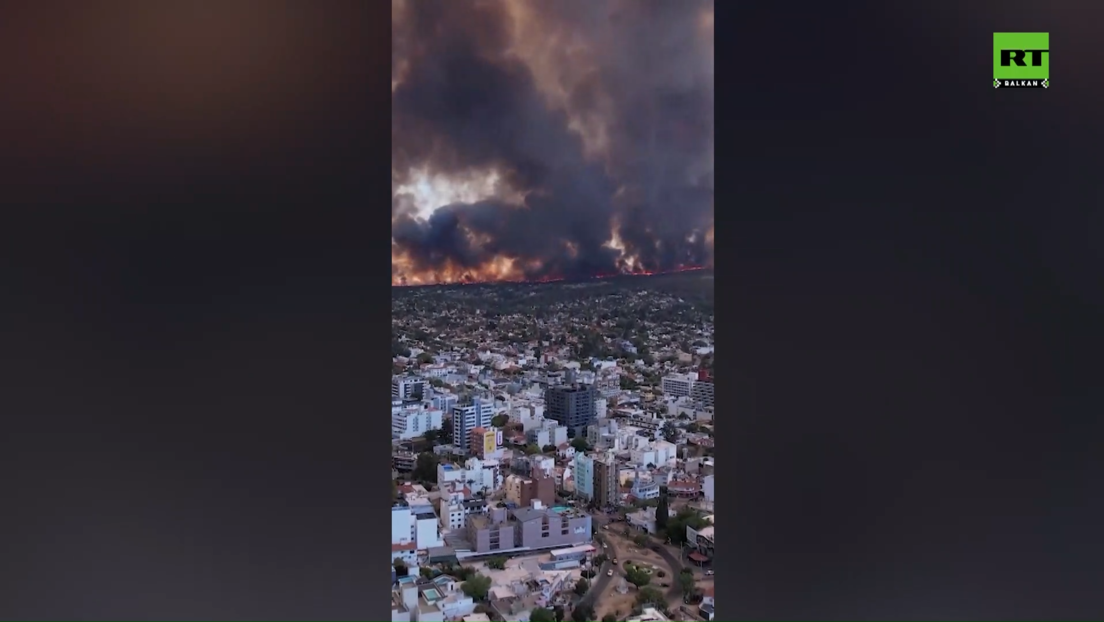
<point>428,533</point>
<point>402,525</point>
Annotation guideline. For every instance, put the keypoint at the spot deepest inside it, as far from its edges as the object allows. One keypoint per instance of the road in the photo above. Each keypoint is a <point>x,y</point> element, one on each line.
<point>598,585</point>
<point>622,550</point>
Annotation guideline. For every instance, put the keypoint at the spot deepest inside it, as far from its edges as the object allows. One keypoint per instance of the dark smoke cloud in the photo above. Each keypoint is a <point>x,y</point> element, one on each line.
<point>596,116</point>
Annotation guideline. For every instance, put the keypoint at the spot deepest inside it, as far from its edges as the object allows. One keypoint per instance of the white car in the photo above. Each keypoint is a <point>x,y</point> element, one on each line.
<point>609,573</point>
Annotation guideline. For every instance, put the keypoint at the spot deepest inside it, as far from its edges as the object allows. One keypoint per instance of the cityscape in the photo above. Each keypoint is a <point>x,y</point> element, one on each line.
<point>552,329</point>
<point>553,450</point>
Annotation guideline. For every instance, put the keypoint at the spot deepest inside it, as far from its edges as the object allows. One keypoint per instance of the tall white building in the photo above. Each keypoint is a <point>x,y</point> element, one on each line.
<point>403,544</point>
<point>678,385</point>
<point>466,418</point>
<point>413,529</point>
<point>413,420</point>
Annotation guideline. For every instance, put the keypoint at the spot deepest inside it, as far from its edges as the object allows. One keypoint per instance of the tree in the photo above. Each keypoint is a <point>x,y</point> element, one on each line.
<point>686,582</point>
<point>426,572</point>
<point>663,513</point>
<point>676,525</point>
<point>650,596</point>
<point>401,568</point>
<point>496,563</point>
<point>425,467</point>
<point>669,432</point>
<point>580,444</point>
<point>581,586</point>
<point>640,540</point>
<point>431,437</point>
<point>548,449</point>
<point>477,586</point>
<point>609,617</point>
<point>425,357</point>
<point>638,576</point>
<point>398,349</point>
<point>532,449</point>
<point>500,421</point>
<point>461,572</point>
<point>583,613</point>
<point>540,614</point>
<point>446,429</point>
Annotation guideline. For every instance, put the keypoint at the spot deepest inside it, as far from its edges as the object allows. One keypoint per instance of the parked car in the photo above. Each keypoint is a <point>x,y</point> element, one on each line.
<point>709,573</point>
<point>609,573</point>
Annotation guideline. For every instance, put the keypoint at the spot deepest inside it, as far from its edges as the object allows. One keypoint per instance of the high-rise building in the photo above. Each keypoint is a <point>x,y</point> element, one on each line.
<point>702,393</point>
<point>571,405</point>
<point>607,489</point>
<point>407,388</point>
<point>584,475</point>
<point>467,417</point>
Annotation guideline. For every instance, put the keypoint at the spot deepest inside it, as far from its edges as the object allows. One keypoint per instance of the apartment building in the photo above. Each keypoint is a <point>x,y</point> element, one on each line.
<point>528,528</point>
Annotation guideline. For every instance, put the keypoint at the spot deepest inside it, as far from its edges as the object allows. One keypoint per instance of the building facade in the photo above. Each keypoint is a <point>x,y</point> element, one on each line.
<point>583,475</point>
<point>407,388</point>
<point>411,420</point>
<point>572,406</point>
<point>702,394</point>
<point>528,528</point>
<point>467,417</point>
<point>677,385</point>
<point>523,491</point>
<point>607,488</point>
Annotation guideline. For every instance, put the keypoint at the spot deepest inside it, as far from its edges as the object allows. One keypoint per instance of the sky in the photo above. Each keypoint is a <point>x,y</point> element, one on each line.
<point>546,140</point>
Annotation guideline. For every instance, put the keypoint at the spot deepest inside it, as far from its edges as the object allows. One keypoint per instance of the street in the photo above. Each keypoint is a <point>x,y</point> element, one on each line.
<point>624,550</point>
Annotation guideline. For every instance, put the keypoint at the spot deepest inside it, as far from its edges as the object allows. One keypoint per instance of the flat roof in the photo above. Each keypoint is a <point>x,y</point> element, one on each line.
<point>582,548</point>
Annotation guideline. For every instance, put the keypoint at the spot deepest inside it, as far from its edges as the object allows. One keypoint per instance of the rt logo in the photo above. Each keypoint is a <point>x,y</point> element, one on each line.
<point>1021,60</point>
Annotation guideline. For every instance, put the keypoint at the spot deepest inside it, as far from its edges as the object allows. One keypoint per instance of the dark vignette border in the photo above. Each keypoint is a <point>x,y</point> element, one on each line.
<point>193,295</point>
<point>905,316</point>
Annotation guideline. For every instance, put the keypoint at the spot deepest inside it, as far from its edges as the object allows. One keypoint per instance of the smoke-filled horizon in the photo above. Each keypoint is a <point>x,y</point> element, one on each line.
<point>538,140</point>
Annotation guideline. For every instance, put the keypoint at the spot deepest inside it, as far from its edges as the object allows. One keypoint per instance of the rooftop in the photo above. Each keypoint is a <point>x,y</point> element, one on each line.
<point>650,614</point>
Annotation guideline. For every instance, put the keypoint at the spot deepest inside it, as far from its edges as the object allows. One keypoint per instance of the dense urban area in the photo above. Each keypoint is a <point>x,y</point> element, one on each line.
<point>552,451</point>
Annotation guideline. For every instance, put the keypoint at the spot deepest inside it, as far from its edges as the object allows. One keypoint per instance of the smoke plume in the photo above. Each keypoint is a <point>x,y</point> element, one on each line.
<point>536,140</point>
